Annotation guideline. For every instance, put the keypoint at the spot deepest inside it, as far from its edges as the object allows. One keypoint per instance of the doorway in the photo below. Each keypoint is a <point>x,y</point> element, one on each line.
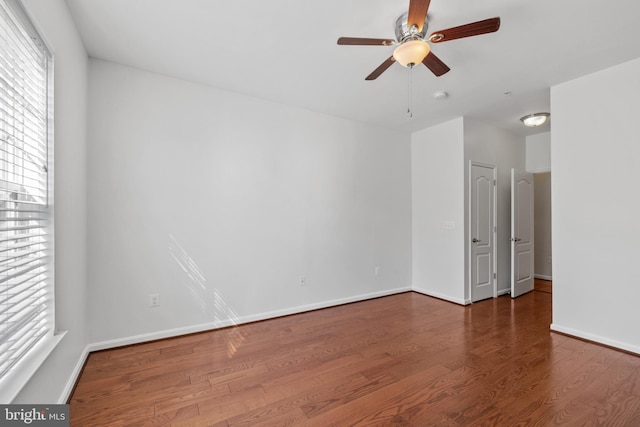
<point>531,261</point>
<point>543,237</point>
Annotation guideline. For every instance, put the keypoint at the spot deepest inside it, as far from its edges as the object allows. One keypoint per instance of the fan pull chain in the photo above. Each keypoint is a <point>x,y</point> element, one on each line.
<point>410,94</point>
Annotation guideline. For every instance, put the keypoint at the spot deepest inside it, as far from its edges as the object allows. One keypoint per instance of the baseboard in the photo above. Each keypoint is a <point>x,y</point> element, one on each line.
<point>442,296</point>
<point>73,379</point>
<point>595,338</point>
<point>542,277</point>
<point>503,292</point>
<point>137,339</point>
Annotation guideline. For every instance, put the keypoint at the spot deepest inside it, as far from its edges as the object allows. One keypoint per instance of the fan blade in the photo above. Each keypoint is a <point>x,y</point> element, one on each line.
<point>381,69</point>
<point>474,29</point>
<point>437,67</point>
<point>358,41</point>
<point>417,13</point>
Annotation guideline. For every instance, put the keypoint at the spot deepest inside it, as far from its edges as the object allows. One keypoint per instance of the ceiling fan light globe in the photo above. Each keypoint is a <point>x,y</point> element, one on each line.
<point>411,52</point>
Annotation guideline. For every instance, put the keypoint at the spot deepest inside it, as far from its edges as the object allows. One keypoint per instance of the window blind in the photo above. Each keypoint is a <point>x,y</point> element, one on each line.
<point>26,289</point>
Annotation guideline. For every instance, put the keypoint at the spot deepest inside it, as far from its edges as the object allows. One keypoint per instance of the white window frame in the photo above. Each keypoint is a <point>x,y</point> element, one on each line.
<point>22,368</point>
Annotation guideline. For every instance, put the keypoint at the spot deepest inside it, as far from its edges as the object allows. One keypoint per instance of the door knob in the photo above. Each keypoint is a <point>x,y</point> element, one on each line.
<point>516,239</point>
<point>474,240</point>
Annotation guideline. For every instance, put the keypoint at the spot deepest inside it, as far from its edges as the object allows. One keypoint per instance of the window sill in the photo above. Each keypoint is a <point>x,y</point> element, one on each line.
<point>15,380</point>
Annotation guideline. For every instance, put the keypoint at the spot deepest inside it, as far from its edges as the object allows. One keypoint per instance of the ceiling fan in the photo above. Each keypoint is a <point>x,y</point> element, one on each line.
<point>412,42</point>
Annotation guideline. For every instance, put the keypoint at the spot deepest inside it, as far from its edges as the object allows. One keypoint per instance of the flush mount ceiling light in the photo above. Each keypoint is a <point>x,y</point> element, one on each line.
<point>533,120</point>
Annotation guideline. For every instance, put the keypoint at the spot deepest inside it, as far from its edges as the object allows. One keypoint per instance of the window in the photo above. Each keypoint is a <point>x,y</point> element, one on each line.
<point>26,282</point>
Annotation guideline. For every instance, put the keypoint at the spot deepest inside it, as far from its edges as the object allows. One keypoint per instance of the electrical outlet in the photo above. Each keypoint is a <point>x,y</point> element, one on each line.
<point>303,280</point>
<point>376,271</point>
<point>154,300</point>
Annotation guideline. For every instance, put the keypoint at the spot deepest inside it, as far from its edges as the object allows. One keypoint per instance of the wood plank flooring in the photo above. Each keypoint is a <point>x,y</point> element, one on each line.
<point>402,360</point>
<point>542,285</point>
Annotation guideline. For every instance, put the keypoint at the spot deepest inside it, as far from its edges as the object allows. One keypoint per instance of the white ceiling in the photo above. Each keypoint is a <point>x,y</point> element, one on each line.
<point>285,51</point>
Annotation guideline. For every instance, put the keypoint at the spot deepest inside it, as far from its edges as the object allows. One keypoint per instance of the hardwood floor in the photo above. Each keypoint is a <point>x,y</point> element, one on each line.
<point>542,285</point>
<point>403,360</point>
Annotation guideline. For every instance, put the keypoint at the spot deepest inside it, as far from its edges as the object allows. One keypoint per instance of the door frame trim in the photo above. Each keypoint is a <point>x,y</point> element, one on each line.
<point>467,243</point>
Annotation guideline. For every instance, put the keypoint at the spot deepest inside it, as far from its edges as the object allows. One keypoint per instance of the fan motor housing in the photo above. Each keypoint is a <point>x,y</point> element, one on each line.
<point>404,32</point>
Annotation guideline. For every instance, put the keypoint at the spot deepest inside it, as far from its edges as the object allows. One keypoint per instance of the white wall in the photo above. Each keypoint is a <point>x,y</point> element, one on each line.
<point>220,202</point>
<point>437,195</point>
<point>595,205</point>
<point>538,152</point>
<point>487,144</point>
<point>440,194</point>
<point>70,85</point>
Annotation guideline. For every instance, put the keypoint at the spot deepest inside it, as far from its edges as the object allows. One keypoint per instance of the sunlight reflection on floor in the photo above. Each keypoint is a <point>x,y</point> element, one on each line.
<point>209,301</point>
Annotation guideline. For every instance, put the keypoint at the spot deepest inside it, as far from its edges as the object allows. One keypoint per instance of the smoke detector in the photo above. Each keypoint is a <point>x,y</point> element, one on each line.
<point>440,95</point>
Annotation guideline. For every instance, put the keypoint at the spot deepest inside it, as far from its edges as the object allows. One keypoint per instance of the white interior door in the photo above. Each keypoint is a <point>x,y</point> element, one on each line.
<point>481,232</point>
<point>522,260</point>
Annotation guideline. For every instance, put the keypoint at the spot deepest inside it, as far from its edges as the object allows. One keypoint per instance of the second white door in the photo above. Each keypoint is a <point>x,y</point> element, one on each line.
<point>522,260</point>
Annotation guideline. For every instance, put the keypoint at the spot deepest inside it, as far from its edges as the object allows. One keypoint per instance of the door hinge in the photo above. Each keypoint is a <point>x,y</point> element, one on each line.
<point>495,276</point>
<point>494,182</point>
